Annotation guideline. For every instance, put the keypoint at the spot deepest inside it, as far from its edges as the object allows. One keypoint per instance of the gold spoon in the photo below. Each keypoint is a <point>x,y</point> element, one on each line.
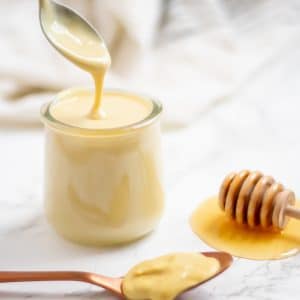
<point>112,284</point>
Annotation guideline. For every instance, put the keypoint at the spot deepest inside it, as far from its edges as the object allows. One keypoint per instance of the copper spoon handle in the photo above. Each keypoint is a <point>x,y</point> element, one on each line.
<point>112,284</point>
<point>41,276</point>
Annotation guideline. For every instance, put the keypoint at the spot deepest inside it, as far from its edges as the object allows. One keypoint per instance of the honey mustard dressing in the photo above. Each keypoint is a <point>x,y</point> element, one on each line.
<point>80,45</point>
<point>209,222</point>
<point>120,109</point>
<point>163,278</point>
<point>103,182</point>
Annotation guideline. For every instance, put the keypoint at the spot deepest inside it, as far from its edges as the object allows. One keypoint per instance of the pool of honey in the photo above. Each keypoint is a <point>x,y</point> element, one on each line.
<point>211,225</point>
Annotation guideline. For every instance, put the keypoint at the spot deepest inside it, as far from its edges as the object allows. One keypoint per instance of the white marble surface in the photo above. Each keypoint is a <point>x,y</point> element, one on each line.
<point>256,129</point>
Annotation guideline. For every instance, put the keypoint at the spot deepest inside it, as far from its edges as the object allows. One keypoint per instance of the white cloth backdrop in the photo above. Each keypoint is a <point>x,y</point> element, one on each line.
<point>190,54</point>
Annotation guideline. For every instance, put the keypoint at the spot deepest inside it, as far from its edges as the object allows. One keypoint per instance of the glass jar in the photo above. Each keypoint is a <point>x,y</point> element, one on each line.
<point>103,186</point>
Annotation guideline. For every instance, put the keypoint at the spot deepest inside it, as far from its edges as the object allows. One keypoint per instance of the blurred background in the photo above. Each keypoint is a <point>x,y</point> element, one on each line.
<point>190,54</point>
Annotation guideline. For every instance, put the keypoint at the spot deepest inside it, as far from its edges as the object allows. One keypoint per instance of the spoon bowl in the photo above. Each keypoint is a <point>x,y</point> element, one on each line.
<point>72,35</point>
<point>225,260</point>
<point>112,284</point>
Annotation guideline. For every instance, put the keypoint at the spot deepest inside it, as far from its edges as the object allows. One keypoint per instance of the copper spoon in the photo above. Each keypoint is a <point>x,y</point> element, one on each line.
<point>112,284</point>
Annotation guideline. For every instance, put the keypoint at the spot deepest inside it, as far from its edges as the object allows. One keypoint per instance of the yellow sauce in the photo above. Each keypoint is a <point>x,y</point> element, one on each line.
<point>213,227</point>
<point>101,187</point>
<point>163,278</point>
<point>73,107</point>
<point>104,188</point>
<point>82,47</point>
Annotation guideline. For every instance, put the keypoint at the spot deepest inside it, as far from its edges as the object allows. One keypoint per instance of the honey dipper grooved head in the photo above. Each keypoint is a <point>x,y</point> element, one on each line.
<point>255,199</point>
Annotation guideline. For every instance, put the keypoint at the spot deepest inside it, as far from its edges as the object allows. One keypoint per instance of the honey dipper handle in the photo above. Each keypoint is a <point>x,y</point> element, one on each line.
<point>292,212</point>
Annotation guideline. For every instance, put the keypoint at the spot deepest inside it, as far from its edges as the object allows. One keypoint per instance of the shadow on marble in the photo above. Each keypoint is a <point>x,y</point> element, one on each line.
<point>198,293</point>
<point>8,295</point>
<point>36,242</point>
<point>33,243</point>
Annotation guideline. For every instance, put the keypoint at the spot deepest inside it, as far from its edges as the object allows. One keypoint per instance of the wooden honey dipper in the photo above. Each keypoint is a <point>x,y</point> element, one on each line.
<point>257,200</point>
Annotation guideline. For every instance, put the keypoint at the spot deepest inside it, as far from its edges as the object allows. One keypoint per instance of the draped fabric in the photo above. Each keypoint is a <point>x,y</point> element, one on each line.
<point>190,54</point>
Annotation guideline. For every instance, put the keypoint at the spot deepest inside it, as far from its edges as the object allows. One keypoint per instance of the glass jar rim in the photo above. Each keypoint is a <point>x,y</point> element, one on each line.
<point>48,119</point>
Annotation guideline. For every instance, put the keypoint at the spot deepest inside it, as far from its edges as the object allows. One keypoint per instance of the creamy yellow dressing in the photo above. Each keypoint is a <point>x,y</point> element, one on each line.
<point>106,187</point>
<point>213,227</point>
<point>81,46</point>
<point>121,109</point>
<point>163,278</point>
<point>101,186</point>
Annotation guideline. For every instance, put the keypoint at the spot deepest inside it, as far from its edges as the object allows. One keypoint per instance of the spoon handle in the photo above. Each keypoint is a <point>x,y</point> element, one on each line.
<point>111,284</point>
<point>43,276</point>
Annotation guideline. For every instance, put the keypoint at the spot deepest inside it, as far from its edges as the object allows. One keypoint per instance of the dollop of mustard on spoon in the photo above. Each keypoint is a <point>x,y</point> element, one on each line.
<point>167,276</point>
